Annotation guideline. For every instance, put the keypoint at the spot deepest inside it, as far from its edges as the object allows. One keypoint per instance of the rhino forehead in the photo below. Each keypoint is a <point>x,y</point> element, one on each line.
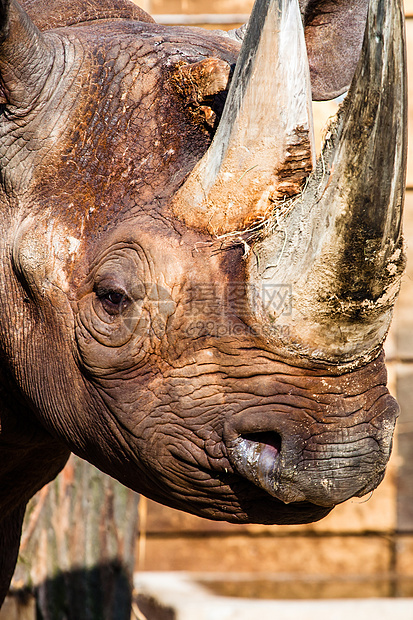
<point>119,132</point>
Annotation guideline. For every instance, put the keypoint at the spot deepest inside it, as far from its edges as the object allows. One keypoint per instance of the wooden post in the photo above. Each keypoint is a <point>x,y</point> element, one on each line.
<point>78,546</point>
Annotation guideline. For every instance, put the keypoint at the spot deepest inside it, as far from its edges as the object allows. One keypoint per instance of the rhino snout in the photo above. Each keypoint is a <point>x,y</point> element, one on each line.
<point>296,463</point>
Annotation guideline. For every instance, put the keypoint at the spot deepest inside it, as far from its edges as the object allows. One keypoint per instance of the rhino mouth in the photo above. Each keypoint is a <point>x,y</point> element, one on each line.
<point>305,461</point>
<point>264,446</point>
<point>258,458</point>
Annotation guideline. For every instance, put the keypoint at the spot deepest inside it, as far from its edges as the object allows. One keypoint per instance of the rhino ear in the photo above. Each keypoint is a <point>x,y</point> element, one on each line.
<point>334,32</point>
<point>25,59</point>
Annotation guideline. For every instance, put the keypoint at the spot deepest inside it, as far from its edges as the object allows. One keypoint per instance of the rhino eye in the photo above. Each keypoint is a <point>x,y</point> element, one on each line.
<point>113,301</point>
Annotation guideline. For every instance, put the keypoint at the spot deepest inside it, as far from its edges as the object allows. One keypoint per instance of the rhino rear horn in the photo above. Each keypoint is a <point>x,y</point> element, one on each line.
<point>25,59</point>
<point>264,146</point>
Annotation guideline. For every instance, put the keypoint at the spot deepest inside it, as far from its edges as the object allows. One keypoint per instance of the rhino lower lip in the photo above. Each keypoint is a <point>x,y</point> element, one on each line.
<point>261,449</point>
<point>256,456</point>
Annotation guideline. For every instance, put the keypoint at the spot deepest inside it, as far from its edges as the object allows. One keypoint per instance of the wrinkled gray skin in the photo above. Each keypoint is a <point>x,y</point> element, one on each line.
<point>125,335</point>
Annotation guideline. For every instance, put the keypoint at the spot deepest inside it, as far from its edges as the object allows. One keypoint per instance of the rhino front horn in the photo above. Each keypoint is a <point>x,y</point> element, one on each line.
<point>264,146</point>
<point>338,248</point>
<point>25,59</point>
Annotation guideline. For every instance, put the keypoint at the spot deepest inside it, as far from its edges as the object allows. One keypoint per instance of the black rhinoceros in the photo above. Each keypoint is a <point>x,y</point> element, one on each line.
<point>184,302</point>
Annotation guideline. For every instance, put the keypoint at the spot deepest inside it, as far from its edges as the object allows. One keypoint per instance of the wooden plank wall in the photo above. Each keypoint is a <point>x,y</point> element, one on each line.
<point>195,7</point>
<point>366,538</point>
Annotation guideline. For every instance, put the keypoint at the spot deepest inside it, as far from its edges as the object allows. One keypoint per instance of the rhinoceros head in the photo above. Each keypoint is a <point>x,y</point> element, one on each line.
<point>184,303</point>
